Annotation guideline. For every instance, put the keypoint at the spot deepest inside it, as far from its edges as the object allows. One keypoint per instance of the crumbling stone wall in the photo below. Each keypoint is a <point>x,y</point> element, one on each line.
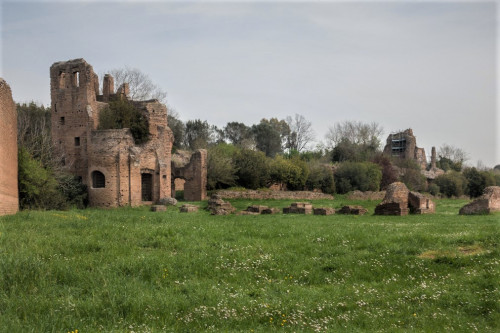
<point>488,202</point>
<point>9,197</point>
<point>195,175</point>
<point>117,171</point>
<point>404,145</point>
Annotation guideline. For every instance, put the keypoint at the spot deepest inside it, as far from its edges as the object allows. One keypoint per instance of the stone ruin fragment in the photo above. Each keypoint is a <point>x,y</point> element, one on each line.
<point>298,208</point>
<point>487,203</point>
<point>400,201</point>
<point>217,206</point>
<point>258,209</point>
<point>187,208</point>
<point>353,210</point>
<point>324,211</point>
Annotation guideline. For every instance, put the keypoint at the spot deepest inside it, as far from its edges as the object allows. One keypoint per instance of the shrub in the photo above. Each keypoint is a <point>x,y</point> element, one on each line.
<point>221,171</point>
<point>452,183</point>
<point>477,181</point>
<point>363,176</point>
<point>320,177</point>
<point>252,169</point>
<point>292,172</point>
<point>121,113</point>
<point>38,188</point>
<point>433,189</point>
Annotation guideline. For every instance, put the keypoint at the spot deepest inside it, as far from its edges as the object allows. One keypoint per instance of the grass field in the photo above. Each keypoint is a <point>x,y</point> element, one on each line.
<point>132,270</point>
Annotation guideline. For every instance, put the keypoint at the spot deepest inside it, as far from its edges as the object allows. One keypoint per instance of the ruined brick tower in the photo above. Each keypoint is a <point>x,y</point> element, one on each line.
<point>9,197</point>
<point>117,171</point>
<point>404,145</point>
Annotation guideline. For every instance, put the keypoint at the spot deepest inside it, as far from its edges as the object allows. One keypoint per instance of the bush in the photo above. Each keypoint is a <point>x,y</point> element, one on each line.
<point>252,169</point>
<point>433,189</point>
<point>477,181</point>
<point>452,183</point>
<point>363,176</point>
<point>121,113</point>
<point>38,188</point>
<point>291,172</point>
<point>73,190</point>
<point>221,171</point>
<point>320,177</point>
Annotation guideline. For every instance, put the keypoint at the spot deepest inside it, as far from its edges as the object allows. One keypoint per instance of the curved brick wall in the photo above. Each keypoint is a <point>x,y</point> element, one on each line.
<point>9,198</point>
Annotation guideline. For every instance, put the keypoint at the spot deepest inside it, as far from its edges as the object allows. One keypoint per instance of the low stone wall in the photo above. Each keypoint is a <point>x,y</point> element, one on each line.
<point>280,195</point>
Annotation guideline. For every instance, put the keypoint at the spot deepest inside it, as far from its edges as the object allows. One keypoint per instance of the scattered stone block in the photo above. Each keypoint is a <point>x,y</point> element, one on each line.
<point>158,208</point>
<point>420,204</point>
<point>395,201</point>
<point>487,203</point>
<point>270,211</point>
<point>217,206</point>
<point>256,209</point>
<point>298,208</point>
<point>353,210</point>
<point>324,211</point>
<point>167,201</point>
<point>187,208</point>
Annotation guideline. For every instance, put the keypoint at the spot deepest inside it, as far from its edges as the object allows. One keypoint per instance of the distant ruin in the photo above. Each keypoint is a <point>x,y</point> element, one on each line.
<point>9,195</point>
<point>404,145</point>
<point>117,171</point>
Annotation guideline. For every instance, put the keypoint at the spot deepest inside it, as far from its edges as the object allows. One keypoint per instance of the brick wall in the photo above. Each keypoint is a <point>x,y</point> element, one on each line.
<point>9,199</point>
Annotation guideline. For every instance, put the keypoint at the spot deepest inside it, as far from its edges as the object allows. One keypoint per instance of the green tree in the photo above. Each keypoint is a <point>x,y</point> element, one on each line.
<point>238,134</point>
<point>38,188</point>
<point>221,169</point>
<point>320,177</point>
<point>270,136</point>
<point>291,172</point>
<point>253,169</point>
<point>178,129</point>
<point>451,184</point>
<point>199,134</point>
<point>363,176</point>
<point>121,113</point>
<point>477,181</point>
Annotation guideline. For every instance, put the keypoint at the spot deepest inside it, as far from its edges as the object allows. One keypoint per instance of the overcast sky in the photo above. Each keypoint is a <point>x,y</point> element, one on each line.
<point>430,66</point>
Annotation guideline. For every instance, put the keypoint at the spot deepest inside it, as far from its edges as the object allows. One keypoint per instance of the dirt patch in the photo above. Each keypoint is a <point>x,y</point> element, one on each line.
<point>461,251</point>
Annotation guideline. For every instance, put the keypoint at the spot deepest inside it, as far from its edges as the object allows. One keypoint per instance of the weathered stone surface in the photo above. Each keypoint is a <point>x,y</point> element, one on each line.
<point>167,201</point>
<point>395,201</point>
<point>217,206</point>
<point>420,204</point>
<point>187,208</point>
<point>256,209</point>
<point>324,211</point>
<point>158,208</point>
<point>116,171</point>
<point>9,198</point>
<point>298,208</point>
<point>353,210</point>
<point>487,203</point>
<point>404,145</point>
<point>270,211</point>
<point>194,174</point>
<point>272,194</point>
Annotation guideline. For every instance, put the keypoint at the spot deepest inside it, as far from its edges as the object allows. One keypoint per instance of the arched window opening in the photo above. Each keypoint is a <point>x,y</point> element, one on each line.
<point>98,179</point>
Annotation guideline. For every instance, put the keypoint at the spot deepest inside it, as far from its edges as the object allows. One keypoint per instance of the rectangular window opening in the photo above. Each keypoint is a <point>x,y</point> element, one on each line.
<point>61,120</point>
<point>77,141</point>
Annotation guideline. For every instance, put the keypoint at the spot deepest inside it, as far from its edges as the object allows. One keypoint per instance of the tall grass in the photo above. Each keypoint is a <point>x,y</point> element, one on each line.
<point>132,270</point>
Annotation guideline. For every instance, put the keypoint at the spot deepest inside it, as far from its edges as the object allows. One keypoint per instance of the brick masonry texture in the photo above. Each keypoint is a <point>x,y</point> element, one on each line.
<point>280,195</point>
<point>487,203</point>
<point>9,197</point>
<point>117,171</point>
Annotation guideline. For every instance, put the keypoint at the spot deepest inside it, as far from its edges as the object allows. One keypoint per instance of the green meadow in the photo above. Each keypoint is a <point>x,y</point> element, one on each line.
<point>132,270</point>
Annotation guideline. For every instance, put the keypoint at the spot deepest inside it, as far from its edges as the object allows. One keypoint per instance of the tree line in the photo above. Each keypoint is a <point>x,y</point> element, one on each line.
<point>270,152</point>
